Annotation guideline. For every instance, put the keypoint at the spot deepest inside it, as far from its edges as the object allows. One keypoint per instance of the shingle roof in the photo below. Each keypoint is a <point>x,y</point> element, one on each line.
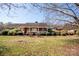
<point>28,25</point>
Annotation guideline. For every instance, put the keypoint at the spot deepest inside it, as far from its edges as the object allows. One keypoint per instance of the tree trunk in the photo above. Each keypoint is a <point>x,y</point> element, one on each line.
<point>77,20</point>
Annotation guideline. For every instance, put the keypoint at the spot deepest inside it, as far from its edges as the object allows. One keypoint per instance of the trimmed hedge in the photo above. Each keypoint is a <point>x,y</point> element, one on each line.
<point>53,33</point>
<point>15,32</point>
<point>5,32</point>
<point>11,32</point>
<point>50,32</point>
<point>19,33</point>
<point>43,34</point>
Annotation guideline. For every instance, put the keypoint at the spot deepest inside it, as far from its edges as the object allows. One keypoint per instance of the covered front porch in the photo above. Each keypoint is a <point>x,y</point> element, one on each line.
<point>33,31</point>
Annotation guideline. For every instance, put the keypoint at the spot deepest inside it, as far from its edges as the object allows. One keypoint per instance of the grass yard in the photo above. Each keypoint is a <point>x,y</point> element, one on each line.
<point>39,46</point>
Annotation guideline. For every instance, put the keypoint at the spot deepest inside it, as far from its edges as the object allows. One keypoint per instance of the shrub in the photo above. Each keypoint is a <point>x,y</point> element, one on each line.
<point>64,33</point>
<point>19,33</point>
<point>43,33</point>
<point>15,32</point>
<point>49,32</point>
<point>72,32</point>
<point>5,32</point>
<point>77,32</point>
<point>53,33</point>
<point>58,33</point>
<point>11,32</point>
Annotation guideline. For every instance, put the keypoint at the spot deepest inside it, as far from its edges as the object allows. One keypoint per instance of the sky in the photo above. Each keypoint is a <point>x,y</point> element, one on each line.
<point>21,15</point>
<point>30,14</point>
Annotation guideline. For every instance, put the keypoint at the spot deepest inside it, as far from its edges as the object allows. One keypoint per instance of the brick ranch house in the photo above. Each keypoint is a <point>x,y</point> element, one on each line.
<point>35,28</point>
<point>28,28</point>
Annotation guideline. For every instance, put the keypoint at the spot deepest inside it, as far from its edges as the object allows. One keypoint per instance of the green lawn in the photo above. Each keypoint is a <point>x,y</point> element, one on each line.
<point>39,46</point>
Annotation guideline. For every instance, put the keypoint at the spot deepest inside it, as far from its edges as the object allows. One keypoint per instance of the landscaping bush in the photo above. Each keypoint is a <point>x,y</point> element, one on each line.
<point>19,33</point>
<point>77,32</point>
<point>58,33</point>
<point>64,33</point>
<point>15,32</point>
<point>11,32</point>
<point>72,32</point>
<point>5,32</point>
<point>43,33</point>
<point>49,32</point>
<point>54,33</point>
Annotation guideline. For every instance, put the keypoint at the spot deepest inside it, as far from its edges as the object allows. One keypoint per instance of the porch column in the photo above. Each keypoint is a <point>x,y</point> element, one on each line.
<point>37,29</point>
<point>29,29</point>
<point>22,29</point>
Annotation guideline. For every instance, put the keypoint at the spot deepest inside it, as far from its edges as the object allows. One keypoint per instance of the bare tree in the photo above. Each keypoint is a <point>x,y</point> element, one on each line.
<point>65,10</point>
<point>51,10</point>
<point>77,4</point>
<point>10,6</point>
